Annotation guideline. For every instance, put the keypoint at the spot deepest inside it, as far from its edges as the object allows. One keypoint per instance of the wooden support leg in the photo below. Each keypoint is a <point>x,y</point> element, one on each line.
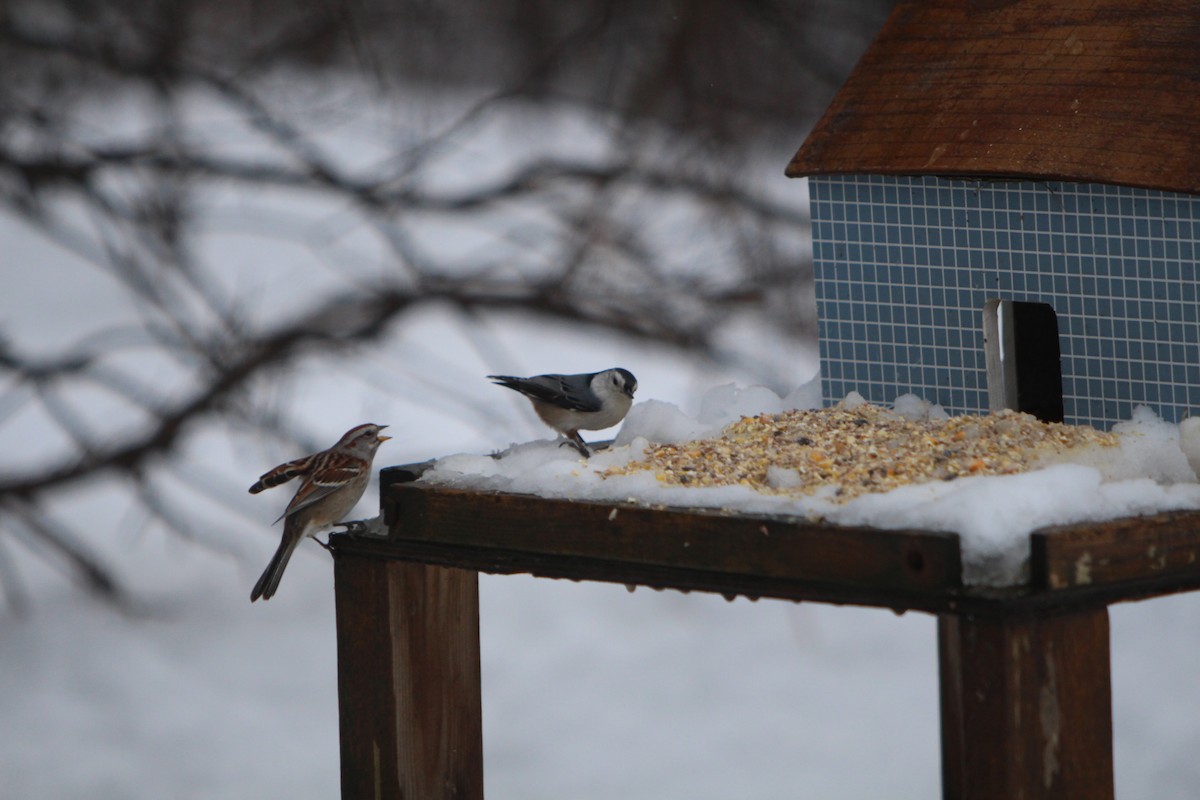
<point>1026,707</point>
<point>408,680</point>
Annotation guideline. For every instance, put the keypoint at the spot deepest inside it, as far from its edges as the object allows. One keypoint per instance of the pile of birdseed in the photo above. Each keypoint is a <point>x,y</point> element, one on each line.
<point>862,450</point>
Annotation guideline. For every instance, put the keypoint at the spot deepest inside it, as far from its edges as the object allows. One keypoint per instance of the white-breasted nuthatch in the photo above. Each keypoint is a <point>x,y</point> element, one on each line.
<point>569,404</point>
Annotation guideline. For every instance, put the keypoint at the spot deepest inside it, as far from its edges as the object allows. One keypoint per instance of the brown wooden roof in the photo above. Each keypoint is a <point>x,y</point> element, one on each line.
<point>1103,91</point>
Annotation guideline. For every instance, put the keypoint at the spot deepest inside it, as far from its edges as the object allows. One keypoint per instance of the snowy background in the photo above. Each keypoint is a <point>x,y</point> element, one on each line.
<point>589,691</point>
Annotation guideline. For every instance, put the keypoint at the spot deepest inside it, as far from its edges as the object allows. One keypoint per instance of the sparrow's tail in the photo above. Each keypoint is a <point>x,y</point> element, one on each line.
<point>269,582</point>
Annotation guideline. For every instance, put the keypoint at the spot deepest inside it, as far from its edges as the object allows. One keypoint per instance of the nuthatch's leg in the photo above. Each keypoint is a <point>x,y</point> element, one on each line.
<point>576,441</point>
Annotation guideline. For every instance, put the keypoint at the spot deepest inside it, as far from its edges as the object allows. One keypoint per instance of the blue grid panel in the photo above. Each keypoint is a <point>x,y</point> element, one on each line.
<point>905,265</point>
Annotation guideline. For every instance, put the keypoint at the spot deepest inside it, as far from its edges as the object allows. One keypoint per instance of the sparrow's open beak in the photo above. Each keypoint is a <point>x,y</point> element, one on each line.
<point>380,436</point>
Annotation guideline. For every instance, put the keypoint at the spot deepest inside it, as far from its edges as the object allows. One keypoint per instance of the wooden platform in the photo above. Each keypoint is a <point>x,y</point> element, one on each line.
<point>1025,683</point>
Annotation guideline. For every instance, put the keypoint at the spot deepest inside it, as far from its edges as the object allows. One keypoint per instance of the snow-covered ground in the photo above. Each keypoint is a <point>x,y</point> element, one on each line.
<point>589,691</point>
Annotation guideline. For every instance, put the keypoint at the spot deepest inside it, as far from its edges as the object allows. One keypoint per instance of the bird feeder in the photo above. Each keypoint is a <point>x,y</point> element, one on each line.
<point>1006,213</point>
<point>1006,210</point>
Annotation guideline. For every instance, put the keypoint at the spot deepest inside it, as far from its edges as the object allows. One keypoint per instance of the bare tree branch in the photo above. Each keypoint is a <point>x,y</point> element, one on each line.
<point>655,228</point>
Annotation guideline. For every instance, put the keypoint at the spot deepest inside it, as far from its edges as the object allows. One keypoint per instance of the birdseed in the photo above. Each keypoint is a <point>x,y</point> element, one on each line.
<point>863,449</point>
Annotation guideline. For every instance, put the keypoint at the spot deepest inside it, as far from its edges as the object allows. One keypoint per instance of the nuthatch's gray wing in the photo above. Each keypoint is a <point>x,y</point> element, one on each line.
<point>571,392</point>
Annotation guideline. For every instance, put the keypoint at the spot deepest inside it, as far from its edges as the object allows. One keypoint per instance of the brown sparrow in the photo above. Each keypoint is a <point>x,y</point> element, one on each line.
<point>334,480</point>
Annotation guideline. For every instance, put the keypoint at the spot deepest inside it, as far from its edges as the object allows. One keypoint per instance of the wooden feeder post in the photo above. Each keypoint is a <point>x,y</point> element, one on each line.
<point>408,679</point>
<point>1026,706</point>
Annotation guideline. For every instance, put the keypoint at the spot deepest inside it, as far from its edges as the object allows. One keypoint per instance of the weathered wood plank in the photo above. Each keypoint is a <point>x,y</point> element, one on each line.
<point>756,556</point>
<point>1138,556</point>
<point>1026,707</point>
<point>408,680</point>
<point>1073,567</point>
